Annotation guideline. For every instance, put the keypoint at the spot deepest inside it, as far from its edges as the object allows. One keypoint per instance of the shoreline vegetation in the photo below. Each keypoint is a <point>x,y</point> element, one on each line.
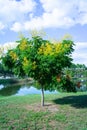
<point>15,80</point>
<point>63,111</point>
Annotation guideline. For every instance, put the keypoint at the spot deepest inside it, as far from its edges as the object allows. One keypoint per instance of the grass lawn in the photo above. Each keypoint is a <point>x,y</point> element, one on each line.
<point>66,111</point>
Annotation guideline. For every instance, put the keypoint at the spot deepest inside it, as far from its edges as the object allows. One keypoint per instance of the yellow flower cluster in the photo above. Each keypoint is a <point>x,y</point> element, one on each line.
<point>13,55</point>
<point>61,48</point>
<point>23,45</point>
<point>46,50</point>
<point>41,50</point>
<point>50,49</point>
<point>57,48</point>
<point>34,65</point>
<point>66,47</point>
<point>53,49</point>
<point>25,62</point>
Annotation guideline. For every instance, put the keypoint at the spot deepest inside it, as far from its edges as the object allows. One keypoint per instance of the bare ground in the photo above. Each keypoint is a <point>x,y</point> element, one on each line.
<point>47,107</point>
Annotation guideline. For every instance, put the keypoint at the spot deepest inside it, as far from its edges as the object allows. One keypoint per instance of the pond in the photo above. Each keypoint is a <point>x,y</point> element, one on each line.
<point>20,89</point>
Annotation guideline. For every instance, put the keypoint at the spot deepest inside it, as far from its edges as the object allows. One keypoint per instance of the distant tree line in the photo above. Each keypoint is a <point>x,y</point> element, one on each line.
<point>78,74</point>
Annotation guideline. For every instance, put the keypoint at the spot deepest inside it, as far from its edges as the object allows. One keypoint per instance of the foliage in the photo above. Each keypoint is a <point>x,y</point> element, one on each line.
<point>40,59</point>
<point>78,74</point>
<point>66,84</point>
<point>4,71</point>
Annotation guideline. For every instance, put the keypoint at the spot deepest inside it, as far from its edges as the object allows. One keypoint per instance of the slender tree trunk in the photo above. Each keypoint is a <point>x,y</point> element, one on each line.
<point>42,96</point>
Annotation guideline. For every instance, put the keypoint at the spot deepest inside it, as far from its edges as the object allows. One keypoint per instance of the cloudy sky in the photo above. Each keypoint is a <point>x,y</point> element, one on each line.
<point>56,17</point>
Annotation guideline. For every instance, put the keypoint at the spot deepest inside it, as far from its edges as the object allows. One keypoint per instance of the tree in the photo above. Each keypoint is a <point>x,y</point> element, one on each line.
<point>40,59</point>
<point>78,74</point>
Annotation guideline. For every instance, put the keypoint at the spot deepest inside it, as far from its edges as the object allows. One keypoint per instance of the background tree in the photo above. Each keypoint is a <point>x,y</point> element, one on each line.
<point>40,59</point>
<point>78,74</point>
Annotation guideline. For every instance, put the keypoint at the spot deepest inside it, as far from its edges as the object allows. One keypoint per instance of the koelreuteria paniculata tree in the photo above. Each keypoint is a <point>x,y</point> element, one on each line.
<point>40,59</point>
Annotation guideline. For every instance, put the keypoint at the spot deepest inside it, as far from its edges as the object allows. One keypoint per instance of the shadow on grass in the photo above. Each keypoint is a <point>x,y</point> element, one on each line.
<point>75,101</point>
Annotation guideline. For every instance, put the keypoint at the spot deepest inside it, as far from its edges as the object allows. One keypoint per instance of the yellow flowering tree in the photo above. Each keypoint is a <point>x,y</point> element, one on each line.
<point>40,59</point>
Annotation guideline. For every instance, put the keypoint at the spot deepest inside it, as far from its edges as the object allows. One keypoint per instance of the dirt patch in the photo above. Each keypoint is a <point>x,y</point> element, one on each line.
<point>47,107</point>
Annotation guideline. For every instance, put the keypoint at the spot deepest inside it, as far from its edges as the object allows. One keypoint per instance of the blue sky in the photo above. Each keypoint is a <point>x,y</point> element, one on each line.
<point>56,17</point>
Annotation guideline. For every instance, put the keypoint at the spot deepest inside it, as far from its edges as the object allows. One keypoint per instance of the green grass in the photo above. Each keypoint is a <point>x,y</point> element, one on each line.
<point>66,111</point>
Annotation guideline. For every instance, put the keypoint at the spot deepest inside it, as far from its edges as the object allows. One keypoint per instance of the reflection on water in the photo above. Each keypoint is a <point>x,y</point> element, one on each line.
<point>1,86</point>
<point>8,90</point>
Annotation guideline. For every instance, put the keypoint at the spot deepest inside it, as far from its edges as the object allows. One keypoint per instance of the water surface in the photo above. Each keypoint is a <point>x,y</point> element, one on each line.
<point>23,89</point>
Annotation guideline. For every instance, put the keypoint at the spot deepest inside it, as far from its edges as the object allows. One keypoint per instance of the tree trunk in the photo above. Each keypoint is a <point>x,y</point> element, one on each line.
<point>42,96</point>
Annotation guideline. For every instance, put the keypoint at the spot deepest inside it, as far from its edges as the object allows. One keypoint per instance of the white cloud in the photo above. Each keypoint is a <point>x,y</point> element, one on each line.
<point>48,20</point>
<point>60,14</point>
<point>17,27</point>
<point>1,26</point>
<point>7,46</point>
<point>63,5</point>
<point>14,11</point>
<point>80,53</point>
<point>75,10</point>
<point>21,15</point>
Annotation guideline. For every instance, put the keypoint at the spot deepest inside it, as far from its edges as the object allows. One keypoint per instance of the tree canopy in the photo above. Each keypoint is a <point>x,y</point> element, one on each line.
<point>40,59</point>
